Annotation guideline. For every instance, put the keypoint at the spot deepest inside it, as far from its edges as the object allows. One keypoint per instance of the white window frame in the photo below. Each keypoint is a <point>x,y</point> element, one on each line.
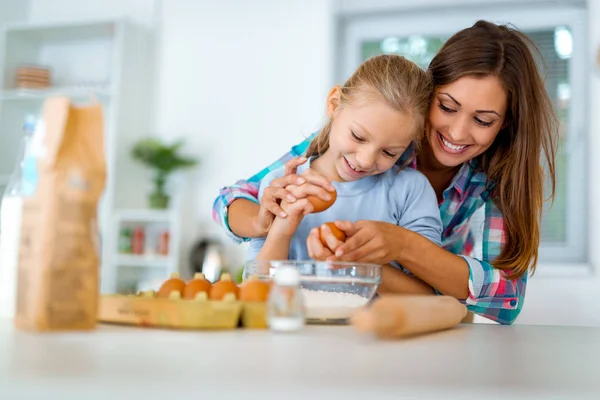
<point>355,29</point>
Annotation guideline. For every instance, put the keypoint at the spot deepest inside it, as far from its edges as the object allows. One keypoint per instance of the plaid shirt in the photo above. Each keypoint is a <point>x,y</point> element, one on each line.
<point>491,294</point>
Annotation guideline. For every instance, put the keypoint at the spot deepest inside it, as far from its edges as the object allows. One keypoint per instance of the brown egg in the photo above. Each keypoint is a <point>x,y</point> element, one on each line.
<point>174,284</point>
<point>337,232</point>
<point>195,286</point>
<point>322,205</point>
<point>222,287</point>
<point>254,289</point>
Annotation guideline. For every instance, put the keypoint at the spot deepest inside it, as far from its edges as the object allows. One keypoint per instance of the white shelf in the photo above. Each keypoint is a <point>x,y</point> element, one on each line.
<point>40,94</point>
<point>61,31</point>
<point>144,215</point>
<point>143,261</point>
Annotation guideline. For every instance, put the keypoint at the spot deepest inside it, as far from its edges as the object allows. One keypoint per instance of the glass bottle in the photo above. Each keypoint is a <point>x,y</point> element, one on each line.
<point>285,308</point>
<point>11,209</point>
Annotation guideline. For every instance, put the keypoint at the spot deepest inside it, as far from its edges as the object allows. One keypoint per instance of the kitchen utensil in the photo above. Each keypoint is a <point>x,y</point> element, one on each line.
<point>398,316</point>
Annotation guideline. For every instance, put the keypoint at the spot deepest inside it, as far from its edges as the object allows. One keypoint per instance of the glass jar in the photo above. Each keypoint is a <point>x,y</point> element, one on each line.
<point>285,308</point>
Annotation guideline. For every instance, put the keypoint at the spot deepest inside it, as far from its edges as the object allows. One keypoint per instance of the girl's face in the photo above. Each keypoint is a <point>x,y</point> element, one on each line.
<point>367,137</point>
<point>464,119</point>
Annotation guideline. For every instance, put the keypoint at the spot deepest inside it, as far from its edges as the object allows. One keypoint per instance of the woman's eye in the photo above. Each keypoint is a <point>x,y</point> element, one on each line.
<point>356,137</point>
<point>444,108</point>
<point>388,154</point>
<point>483,123</point>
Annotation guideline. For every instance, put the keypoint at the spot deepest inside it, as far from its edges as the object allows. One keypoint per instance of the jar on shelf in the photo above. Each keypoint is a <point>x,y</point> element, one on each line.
<point>138,240</point>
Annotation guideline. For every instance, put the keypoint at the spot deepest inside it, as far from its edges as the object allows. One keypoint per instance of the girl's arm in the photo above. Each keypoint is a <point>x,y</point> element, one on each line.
<point>278,242</point>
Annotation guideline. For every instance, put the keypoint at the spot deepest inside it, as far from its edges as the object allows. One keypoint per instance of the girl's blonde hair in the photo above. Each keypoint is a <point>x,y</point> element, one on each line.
<point>400,83</point>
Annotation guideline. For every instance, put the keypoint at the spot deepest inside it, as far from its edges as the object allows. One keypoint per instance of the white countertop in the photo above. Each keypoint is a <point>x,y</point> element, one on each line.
<point>471,361</point>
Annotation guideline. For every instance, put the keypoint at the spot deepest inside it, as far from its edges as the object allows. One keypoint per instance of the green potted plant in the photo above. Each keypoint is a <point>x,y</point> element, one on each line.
<point>163,159</point>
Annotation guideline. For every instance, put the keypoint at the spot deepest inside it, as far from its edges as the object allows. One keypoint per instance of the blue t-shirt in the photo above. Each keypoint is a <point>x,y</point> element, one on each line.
<point>401,197</point>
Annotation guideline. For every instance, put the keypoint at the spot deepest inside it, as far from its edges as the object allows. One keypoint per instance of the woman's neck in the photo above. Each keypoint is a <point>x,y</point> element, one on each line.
<point>426,161</point>
<point>438,174</point>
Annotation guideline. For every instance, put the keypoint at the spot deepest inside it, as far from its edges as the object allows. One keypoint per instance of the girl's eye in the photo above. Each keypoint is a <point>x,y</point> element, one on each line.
<point>445,109</point>
<point>388,154</point>
<point>356,137</point>
<point>483,123</point>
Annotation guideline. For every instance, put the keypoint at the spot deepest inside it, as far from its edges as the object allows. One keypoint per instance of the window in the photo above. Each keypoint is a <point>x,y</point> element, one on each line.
<point>559,34</point>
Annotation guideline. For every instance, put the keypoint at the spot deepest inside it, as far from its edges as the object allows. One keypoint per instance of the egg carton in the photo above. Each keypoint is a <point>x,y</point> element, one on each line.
<point>147,310</point>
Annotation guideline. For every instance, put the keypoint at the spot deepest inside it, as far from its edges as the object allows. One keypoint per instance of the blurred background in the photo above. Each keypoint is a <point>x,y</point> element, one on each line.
<point>199,94</point>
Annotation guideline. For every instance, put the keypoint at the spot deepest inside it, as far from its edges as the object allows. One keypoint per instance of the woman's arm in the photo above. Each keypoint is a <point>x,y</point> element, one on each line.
<point>486,290</point>
<point>446,272</point>
<point>244,224</point>
<point>248,191</point>
<point>394,281</point>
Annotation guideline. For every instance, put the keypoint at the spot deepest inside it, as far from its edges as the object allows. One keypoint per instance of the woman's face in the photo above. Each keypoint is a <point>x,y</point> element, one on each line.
<point>464,118</point>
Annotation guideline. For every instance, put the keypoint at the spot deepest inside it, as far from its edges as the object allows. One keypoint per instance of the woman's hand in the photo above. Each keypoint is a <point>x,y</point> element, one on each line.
<point>367,241</point>
<point>316,249</point>
<point>290,188</point>
<point>275,193</point>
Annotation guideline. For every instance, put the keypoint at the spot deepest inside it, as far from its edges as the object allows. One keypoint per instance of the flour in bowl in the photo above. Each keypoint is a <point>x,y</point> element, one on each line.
<point>331,305</point>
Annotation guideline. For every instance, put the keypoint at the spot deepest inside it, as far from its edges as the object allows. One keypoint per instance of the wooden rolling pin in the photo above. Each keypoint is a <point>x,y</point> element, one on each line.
<point>402,316</point>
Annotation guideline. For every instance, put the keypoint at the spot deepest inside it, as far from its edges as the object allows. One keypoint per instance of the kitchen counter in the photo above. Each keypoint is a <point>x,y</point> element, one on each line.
<point>471,361</point>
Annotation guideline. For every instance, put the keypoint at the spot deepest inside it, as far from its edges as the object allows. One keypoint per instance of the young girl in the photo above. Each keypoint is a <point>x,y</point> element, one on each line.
<point>373,119</point>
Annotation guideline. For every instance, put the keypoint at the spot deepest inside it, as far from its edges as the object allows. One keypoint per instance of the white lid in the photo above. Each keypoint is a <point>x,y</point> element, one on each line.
<point>286,275</point>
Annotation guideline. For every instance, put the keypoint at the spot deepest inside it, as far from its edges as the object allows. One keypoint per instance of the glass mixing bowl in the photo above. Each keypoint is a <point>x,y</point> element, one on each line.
<point>332,291</point>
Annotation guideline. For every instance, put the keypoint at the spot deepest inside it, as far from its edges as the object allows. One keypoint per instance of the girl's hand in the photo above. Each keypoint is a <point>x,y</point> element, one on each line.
<point>316,249</point>
<point>276,192</point>
<point>295,212</point>
<point>368,241</point>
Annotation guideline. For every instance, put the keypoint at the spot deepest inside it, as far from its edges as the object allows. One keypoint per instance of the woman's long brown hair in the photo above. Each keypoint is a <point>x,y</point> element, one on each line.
<point>513,162</point>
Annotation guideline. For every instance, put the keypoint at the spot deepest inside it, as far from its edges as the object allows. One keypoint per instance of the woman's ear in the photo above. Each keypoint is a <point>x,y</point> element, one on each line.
<point>334,100</point>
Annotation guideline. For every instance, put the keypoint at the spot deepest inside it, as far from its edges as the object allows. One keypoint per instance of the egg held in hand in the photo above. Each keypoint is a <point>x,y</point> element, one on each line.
<point>337,232</point>
<point>321,205</point>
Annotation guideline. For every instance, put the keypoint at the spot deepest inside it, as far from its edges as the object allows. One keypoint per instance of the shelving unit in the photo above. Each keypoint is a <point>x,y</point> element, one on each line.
<point>144,270</point>
<point>76,92</point>
<point>105,61</point>
<point>144,261</point>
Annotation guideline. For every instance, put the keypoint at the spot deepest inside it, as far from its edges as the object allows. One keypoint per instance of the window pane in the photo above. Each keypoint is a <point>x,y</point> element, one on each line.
<point>555,48</point>
<point>419,49</point>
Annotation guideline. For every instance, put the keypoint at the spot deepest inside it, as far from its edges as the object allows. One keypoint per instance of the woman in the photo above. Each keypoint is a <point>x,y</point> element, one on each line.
<point>490,119</point>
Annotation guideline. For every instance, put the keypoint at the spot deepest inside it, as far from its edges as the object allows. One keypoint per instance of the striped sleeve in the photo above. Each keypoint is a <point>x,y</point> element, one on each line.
<point>248,189</point>
<point>491,293</point>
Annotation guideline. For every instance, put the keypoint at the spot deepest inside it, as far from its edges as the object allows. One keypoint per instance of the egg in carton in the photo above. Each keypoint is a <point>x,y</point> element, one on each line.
<point>254,294</point>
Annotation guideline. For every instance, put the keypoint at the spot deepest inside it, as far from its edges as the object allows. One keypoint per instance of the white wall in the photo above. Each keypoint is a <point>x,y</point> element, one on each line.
<point>230,75</point>
<point>13,11</point>
<point>243,84</point>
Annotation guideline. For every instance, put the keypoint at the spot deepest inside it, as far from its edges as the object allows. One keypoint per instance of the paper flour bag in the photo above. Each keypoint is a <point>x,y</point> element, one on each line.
<point>64,175</point>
